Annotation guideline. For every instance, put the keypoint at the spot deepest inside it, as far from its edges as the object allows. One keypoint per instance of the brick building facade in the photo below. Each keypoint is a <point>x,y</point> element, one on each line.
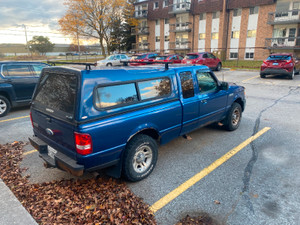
<point>233,29</point>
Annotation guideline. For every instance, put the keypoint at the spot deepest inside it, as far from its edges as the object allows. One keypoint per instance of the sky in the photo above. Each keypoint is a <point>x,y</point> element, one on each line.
<point>39,16</point>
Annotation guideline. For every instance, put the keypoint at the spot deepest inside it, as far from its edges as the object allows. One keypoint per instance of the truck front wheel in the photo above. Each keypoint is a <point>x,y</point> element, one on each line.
<point>4,106</point>
<point>139,158</point>
<point>234,117</point>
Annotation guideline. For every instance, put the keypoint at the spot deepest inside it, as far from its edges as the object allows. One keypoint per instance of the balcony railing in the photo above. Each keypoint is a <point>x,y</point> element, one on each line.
<point>143,46</point>
<point>140,30</point>
<point>283,43</point>
<point>181,7</point>
<point>141,13</point>
<point>181,27</point>
<point>287,17</point>
<point>180,45</point>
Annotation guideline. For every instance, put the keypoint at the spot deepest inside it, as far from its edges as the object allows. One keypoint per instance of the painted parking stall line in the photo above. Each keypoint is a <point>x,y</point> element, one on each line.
<point>251,78</point>
<point>17,118</point>
<point>196,178</point>
<point>30,152</point>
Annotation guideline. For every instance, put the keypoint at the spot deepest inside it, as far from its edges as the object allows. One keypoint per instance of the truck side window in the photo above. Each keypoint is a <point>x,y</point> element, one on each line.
<point>206,82</point>
<point>187,84</point>
<point>110,96</point>
<point>154,88</point>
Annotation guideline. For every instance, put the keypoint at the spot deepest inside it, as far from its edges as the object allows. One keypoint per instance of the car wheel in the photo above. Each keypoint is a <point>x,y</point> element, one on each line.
<point>292,74</point>
<point>4,106</point>
<point>262,76</point>
<point>108,64</point>
<point>139,158</point>
<point>234,117</point>
<point>219,67</point>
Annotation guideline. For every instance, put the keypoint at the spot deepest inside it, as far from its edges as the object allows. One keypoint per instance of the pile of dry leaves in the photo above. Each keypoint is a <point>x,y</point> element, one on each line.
<point>201,220</point>
<point>91,201</point>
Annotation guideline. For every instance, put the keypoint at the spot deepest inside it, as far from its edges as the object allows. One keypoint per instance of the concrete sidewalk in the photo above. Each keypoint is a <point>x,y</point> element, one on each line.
<point>11,210</point>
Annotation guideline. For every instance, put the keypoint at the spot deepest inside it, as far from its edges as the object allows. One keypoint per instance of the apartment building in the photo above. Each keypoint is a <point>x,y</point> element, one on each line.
<point>233,29</point>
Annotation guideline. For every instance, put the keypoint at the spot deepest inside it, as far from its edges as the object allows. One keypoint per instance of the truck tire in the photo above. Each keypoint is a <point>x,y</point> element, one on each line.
<point>139,158</point>
<point>234,117</point>
<point>4,106</point>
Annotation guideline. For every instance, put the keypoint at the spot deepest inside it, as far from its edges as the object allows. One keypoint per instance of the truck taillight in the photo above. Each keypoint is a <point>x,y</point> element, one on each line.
<point>31,119</point>
<point>83,143</point>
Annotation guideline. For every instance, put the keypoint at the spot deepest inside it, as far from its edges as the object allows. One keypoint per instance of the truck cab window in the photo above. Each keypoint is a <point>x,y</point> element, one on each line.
<point>206,82</point>
<point>187,84</point>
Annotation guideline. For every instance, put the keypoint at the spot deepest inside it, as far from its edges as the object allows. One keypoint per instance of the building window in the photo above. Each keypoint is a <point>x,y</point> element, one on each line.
<point>157,38</point>
<point>251,33</point>
<point>201,36</point>
<point>237,12</point>
<point>235,34</point>
<point>167,38</point>
<point>233,55</point>
<point>296,7</point>
<point>216,15</point>
<point>165,3</point>
<point>249,55</point>
<point>253,10</point>
<point>202,16</point>
<point>167,21</point>
<point>215,36</point>
<point>156,22</point>
<point>155,5</point>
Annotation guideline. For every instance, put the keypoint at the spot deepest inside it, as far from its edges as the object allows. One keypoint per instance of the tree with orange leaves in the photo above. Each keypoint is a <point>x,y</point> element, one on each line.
<point>91,19</point>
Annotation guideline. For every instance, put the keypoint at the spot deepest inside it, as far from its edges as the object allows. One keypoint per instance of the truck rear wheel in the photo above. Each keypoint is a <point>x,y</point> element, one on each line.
<point>234,117</point>
<point>139,158</point>
<point>4,106</point>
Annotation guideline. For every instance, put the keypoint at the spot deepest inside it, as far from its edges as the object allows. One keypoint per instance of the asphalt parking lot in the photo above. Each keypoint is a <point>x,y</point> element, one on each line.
<point>238,180</point>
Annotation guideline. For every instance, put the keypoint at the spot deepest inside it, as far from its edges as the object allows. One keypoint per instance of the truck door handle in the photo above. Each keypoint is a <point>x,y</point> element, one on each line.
<point>204,101</point>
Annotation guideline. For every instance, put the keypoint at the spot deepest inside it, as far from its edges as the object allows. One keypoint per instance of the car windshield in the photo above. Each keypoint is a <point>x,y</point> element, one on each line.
<point>191,56</point>
<point>110,57</point>
<point>279,57</point>
<point>161,57</point>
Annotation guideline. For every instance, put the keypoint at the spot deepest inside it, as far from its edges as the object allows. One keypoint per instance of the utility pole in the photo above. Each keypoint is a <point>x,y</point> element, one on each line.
<point>29,52</point>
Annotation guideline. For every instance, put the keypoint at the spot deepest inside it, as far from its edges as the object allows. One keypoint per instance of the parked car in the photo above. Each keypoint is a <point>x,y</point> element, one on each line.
<point>280,64</point>
<point>117,118</point>
<point>17,83</point>
<point>113,60</point>
<point>175,58</point>
<point>203,58</point>
<point>142,59</point>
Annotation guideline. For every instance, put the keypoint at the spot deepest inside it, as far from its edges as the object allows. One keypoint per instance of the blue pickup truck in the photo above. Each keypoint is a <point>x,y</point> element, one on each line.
<point>86,120</point>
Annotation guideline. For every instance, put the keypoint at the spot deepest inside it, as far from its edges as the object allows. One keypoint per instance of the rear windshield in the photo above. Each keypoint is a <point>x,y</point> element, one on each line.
<point>279,57</point>
<point>57,92</point>
<point>161,57</point>
<point>191,56</point>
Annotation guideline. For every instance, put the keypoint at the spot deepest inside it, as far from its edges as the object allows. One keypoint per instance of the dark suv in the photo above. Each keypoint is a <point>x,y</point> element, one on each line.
<point>17,83</point>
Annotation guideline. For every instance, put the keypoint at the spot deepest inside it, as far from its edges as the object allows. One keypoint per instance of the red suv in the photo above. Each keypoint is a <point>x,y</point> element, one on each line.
<point>203,58</point>
<point>169,58</point>
<point>280,64</point>
<point>140,58</point>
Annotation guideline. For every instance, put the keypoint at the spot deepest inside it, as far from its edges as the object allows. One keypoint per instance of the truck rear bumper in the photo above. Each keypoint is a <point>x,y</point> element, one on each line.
<point>59,160</point>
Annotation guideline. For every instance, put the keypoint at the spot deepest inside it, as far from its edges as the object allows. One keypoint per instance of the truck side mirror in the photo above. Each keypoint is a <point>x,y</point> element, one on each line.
<point>224,86</point>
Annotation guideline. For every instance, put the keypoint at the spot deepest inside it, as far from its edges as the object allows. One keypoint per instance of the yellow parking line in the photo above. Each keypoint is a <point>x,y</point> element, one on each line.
<point>250,79</point>
<point>29,152</point>
<point>186,185</point>
<point>17,118</point>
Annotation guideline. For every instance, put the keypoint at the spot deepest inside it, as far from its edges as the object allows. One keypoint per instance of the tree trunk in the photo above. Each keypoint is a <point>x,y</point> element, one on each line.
<point>102,47</point>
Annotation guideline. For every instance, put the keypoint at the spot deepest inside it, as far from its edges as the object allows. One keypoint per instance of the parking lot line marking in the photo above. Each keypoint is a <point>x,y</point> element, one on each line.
<point>250,79</point>
<point>17,118</point>
<point>193,180</point>
<point>29,152</point>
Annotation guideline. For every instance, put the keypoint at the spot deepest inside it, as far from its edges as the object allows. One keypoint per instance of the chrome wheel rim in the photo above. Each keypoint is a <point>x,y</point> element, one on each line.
<point>142,159</point>
<point>3,106</point>
<point>236,115</point>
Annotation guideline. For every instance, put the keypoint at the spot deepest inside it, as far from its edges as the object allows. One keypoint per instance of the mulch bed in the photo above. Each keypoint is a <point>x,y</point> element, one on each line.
<point>90,201</point>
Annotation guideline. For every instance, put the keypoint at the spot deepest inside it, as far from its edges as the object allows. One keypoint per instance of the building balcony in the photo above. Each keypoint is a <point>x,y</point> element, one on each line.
<point>140,31</point>
<point>180,45</point>
<point>283,43</point>
<point>137,47</point>
<point>181,27</point>
<point>287,17</point>
<point>181,7</point>
<point>141,13</point>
